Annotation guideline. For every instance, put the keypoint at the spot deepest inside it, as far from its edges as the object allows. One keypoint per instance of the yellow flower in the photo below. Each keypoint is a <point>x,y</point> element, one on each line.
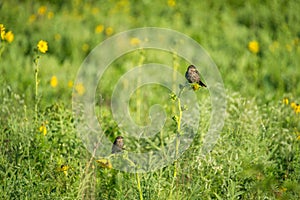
<point>43,128</point>
<point>70,84</point>
<point>64,169</point>
<point>32,18</point>
<point>297,109</point>
<point>85,47</point>
<point>283,189</point>
<point>53,81</point>
<point>50,15</point>
<point>95,10</point>
<point>285,101</point>
<point>293,105</point>
<point>42,46</point>
<point>42,10</point>
<point>9,36</point>
<point>253,46</point>
<point>105,163</point>
<point>79,88</point>
<point>109,31</point>
<point>57,36</point>
<point>298,138</point>
<point>99,29</point>
<point>135,41</point>
<point>171,3</point>
<point>2,31</point>
<point>195,86</point>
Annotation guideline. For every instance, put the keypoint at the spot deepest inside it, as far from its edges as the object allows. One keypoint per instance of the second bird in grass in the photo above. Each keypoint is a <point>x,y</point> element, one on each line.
<point>193,76</point>
<point>118,144</point>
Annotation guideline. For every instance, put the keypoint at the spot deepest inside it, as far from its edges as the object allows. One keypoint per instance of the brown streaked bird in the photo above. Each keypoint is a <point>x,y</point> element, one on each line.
<point>193,76</point>
<point>118,144</point>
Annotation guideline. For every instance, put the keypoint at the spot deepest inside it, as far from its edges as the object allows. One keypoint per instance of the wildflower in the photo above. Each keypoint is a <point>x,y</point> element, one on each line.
<point>298,138</point>
<point>42,10</point>
<point>283,189</point>
<point>57,36</point>
<point>9,36</point>
<point>43,128</point>
<point>253,46</point>
<point>85,47</point>
<point>53,81</point>
<point>42,46</point>
<point>2,31</point>
<point>105,163</point>
<point>32,18</point>
<point>297,109</point>
<point>274,46</point>
<point>79,88</point>
<point>135,41</point>
<point>109,31</point>
<point>171,3</point>
<point>293,105</point>
<point>64,169</point>
<point>50,15</point>
<point>70,84</point>
<point>95,10</point>
<point>195,86</point>
<point>285,101</point>
<point>99,29</point>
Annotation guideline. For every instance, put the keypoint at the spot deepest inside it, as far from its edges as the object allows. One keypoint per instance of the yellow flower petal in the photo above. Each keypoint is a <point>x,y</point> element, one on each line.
<point>253,46</point>
<point>53,81</point>
<point>43,129</point>
<point>109,31</point>
<point>99,29</point>
<point>42,10</point>
<point>171,3</point>
<point>79,88</point>
<point>285,101</point>
<point>293,105</point>
<point>135,41</point>
<point>105,163</point>
<point>50,15</point>
<point>70,84</point>
<point>42,46</point>
<point>2,31</point>
<point>9,36</point>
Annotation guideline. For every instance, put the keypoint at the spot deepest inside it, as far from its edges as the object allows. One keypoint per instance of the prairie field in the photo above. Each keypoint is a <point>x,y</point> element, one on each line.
<point>51,146</point>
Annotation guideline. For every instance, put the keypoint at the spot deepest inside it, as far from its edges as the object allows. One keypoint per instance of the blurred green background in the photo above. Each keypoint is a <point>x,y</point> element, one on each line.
<point>223,28</point>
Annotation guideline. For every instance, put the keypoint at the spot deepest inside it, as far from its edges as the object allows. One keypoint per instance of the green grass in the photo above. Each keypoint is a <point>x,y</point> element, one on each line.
<point>258,153</point>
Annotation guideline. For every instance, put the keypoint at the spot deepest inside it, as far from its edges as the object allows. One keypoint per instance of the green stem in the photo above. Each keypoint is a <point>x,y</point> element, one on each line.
<point>177,139</point>
<point>36,72</point>
<point>139,186</point>
<point>138,92</point>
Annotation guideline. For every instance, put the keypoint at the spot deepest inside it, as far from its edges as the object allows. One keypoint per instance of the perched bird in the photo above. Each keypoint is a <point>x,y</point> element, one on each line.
<point>118,144</point>
<point>193,76</point>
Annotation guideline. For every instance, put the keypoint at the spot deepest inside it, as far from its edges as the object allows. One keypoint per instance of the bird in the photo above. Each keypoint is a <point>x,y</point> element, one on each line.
<point>193,75</point>
<point>118,144</point>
